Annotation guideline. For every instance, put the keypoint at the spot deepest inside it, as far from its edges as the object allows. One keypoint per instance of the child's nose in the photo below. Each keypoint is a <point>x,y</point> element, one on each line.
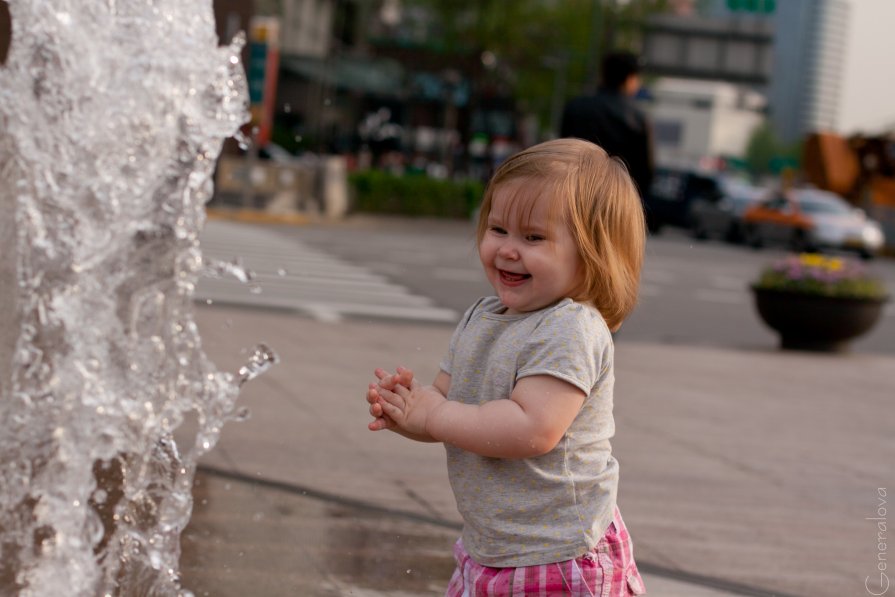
<point>508,250</point>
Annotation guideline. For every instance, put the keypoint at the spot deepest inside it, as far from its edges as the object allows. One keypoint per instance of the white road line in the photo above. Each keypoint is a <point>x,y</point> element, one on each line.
<point>289,274</point>
<point>391,269</point>
<point>384,295</point>
<point>323,314</point>
<point>333,311</point>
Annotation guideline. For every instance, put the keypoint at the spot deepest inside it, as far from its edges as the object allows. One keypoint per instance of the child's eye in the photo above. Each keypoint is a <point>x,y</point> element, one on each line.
<point>533,238</point>
<point>498,230</point>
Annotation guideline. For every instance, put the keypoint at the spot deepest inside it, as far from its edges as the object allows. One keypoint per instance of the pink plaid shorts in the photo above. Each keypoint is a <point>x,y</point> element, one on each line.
<point>608,570</point>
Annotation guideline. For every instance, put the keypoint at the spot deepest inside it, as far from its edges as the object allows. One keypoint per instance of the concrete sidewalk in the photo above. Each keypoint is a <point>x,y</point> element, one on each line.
<point>743,473</point>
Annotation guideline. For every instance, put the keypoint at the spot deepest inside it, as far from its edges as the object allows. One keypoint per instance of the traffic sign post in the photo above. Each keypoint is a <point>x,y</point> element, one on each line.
<point>262,73</point>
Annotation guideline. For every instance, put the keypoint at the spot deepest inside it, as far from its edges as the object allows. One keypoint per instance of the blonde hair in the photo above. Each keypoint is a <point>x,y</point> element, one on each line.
<point>600,205</point>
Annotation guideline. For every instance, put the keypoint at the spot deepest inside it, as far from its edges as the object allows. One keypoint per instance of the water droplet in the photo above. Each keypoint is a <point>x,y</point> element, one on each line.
<point>281,272</point>
<point>242,140</point>
<point>262,359</point>
<point>242,414</point>
<point>234,268</point>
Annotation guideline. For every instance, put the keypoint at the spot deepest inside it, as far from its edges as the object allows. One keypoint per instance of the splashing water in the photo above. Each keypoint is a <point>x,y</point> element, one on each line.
<point>262,359</point>
<point>112,115</point>
<point>214,268</point>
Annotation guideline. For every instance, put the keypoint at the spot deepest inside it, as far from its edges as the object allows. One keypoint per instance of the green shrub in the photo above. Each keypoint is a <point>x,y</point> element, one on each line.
<point>375,191</point>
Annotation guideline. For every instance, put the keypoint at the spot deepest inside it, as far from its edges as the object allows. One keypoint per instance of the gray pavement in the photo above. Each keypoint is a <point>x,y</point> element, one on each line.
<point>744,472</point>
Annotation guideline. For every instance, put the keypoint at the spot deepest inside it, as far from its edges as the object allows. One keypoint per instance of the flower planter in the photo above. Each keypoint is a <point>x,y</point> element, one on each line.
<point>816,322</point>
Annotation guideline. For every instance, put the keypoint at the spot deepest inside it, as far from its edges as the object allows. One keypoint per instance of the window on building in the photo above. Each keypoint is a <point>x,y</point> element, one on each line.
<point>668,133</point>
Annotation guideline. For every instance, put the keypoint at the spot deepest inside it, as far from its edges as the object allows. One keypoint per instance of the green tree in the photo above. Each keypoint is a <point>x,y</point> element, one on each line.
<point>767,154</point>
<point>546,50</point>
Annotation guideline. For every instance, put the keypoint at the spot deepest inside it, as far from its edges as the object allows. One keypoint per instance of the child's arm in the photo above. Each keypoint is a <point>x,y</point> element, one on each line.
<point>403,377</point>
<point>530,423</point>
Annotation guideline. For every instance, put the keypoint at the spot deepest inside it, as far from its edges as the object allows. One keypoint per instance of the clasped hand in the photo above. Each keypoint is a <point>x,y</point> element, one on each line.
<point>398,402</point>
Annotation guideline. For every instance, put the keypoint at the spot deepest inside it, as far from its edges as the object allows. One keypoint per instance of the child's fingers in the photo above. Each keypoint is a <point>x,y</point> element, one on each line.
<point>389,381</point>
<point>392,411</point>
<point>401,391</point>
<point>404,376</point>
<point>388,397</point>
<point>378,424</point>
<point>382,375</point>
<point>372,393</point>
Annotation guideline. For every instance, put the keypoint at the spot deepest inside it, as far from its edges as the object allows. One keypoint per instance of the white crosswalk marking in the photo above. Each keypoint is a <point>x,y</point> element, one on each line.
<point>289,274</point>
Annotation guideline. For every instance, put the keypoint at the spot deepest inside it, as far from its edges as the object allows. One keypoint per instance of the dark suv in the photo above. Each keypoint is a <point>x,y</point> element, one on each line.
<point>672,194</point>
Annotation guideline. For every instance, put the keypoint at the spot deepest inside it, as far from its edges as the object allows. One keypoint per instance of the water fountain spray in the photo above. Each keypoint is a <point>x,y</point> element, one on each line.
<point>112,115</point>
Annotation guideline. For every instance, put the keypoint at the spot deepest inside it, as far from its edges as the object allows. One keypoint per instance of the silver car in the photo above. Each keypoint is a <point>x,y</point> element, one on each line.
<point>812,220</point>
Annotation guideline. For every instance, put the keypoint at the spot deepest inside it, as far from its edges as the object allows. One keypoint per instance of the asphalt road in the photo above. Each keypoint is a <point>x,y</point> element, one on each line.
<point>693,292</point>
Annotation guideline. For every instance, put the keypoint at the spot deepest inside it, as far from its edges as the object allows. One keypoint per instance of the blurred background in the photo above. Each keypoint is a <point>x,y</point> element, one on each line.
<point>744,89</point>
<point>406,106</point>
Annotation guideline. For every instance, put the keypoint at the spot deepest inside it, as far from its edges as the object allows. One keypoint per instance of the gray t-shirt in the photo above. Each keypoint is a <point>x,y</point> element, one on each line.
<point>555,507</point>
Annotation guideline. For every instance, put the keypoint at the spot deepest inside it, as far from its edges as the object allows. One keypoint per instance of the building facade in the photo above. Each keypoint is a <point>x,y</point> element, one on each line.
<point>809,57</point>
<point>698,121</point>
<point>793,51</point>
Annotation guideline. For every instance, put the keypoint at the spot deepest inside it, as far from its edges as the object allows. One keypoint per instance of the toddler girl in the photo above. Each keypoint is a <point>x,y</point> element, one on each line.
<point>523,400</point>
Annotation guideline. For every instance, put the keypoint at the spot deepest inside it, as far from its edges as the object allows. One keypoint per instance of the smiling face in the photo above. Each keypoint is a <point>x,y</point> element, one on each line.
<point>529,257</point>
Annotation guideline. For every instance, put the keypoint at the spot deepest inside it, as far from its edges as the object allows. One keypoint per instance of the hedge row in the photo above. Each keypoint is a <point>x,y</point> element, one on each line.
<point>375,191</point>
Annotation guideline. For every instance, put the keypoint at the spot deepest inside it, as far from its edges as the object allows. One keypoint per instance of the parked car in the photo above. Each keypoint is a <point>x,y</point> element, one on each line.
<point>673,192</point>
<point>812,220</point>
<point>720,214</point>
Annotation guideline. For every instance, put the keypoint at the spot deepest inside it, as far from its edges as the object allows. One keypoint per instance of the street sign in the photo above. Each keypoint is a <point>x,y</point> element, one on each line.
<point>756,6</point>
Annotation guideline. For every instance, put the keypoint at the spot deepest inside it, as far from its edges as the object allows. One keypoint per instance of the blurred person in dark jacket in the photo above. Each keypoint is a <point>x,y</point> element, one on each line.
<point>611,118</point>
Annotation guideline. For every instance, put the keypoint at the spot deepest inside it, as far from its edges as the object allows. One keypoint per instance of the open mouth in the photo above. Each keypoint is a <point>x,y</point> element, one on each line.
<point>512,278</point>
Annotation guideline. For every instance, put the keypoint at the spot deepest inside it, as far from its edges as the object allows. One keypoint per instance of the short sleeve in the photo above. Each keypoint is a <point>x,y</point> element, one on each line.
<point>446,364</point>
<point>571,343</point>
